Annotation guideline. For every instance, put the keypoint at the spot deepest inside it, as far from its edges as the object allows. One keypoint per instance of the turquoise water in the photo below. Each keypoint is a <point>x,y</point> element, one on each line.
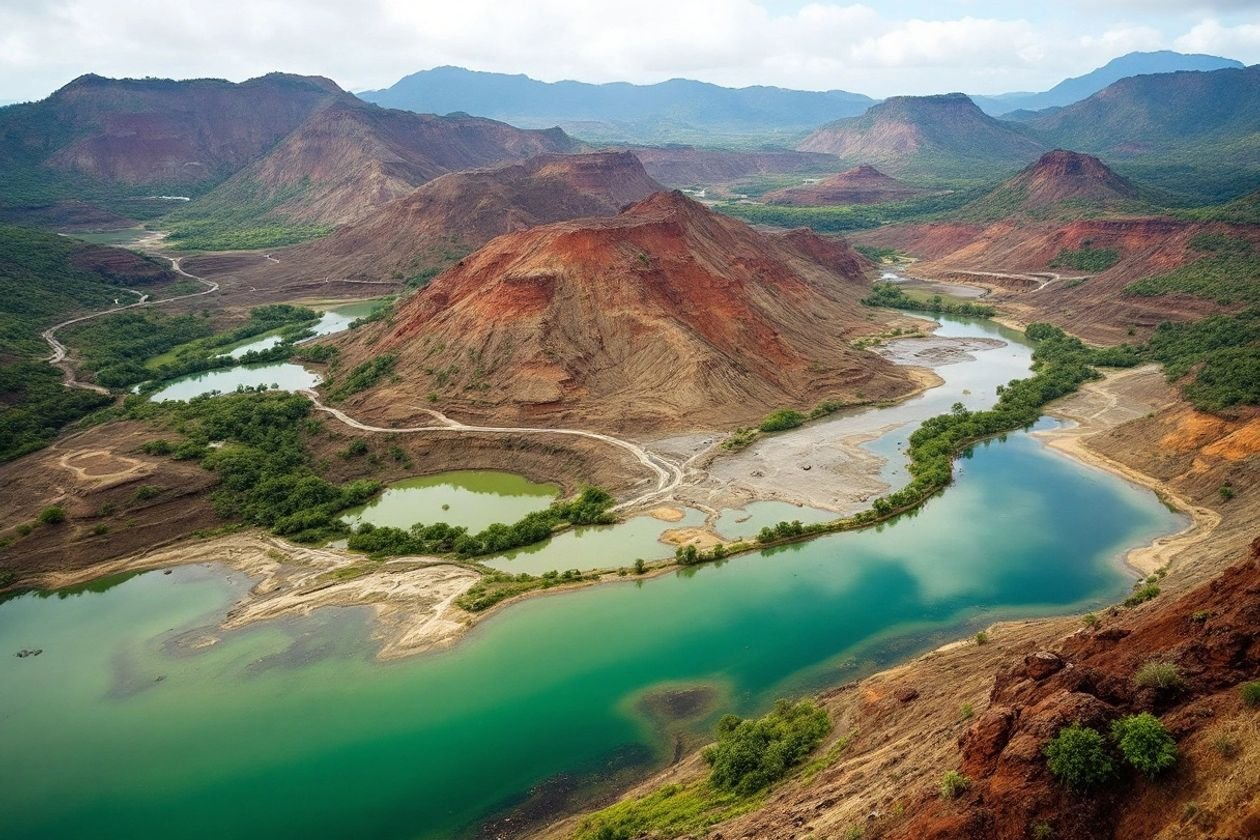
<point>471,498</point>
<point>598,546</point>
<point>290,728</point>
<point>123,728</point>
<point>285,375</point>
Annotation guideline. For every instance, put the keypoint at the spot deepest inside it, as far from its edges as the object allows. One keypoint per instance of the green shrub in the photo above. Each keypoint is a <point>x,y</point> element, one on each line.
<point>782,420</point>
<point>1086,258</point>
<point>1142,594</point>
<point>1077,757</point>
<point>1145,743</point>
<point>145,492</point>
<point>357,447</point>
<point>751,754</point>
<point>953,784</point>
<point>1163,676</point>
<point>52,515</point>
<point>1251,694</point>
<point>982,638</point>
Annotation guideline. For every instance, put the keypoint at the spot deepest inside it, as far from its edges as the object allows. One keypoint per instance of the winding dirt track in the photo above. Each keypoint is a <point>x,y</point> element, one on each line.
<point>668,475</point>
<point>58,357</point>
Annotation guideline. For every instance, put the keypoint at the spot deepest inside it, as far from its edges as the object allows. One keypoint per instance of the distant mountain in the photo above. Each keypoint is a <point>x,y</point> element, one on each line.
<point>1060,184</point>
<point>686,166</point>
<point>1147,114</point>
<point>177,135</point>
<point>1081,87</point>
<point>351,157</point>
<point>861,185</point>
<point>619,110</point>
<point>941,136</point>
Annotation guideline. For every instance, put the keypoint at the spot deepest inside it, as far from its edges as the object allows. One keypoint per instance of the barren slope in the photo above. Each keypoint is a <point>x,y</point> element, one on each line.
<point>664,316</point>
<point>861,185</point>
<point>457,213</point>
<point>350,158</point>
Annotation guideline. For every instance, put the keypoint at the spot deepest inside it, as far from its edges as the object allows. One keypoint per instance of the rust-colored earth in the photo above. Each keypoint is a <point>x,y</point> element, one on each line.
<point>665,316</point>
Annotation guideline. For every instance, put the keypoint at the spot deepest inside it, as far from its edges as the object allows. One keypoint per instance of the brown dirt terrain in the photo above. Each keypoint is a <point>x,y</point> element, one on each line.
<point>665,316</point>
<point>860,185</point>
<point>908,725</point>
<point>1095,309</point>
<point>684,166</point>
<point>96,476</point>
<point>349,158</point>
<point>445,219</point>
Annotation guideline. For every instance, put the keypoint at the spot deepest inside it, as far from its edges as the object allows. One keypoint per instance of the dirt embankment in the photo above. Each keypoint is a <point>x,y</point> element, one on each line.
<point>122,503</point>
<point>988,709</point>
<point>1091,306</point>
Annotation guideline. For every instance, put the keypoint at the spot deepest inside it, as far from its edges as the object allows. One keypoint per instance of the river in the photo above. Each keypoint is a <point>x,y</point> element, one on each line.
<point>126,726</point>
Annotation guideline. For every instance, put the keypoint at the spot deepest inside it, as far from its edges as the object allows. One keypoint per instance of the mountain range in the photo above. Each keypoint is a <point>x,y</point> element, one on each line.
<point>619,111</point>
<point>1081,87</point>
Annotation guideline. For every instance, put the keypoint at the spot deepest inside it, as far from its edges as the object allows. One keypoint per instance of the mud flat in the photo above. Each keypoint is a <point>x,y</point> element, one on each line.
<point>836,463</point>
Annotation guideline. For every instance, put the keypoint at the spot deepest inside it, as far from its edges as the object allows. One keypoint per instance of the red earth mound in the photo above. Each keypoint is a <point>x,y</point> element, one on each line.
<point>665,316</point>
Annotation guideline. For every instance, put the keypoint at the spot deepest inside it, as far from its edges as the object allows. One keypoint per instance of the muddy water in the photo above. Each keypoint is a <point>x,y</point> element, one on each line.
<point>126,726</point>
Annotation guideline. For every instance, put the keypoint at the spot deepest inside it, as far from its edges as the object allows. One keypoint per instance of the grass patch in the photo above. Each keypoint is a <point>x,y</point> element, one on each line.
<point>893,296</point>
<point>1228,271</point>
<point>1086,258</point>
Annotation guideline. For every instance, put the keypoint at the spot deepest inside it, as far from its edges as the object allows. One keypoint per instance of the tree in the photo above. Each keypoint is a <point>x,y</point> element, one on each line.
<point>52,515</point>
<point>1078,757</point>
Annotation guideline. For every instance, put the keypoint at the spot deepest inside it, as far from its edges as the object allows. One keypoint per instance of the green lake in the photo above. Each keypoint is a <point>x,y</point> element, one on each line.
<point>472,498</point>
<point>284,375</point>
<point>125,727</point>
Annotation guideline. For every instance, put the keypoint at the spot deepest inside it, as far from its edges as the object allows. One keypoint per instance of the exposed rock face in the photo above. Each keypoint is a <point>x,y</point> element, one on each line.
<point>665,316</point>
<point>1089,680</point>
<point>924,133</point>
<point>861,185</point>
<point>458,213</point>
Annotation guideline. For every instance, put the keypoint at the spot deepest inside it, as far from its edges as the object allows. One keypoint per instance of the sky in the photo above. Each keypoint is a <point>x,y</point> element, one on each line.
<point>876,48</point>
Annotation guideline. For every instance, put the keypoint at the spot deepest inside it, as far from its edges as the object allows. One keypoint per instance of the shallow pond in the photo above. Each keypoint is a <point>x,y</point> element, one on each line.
<point>472,498</point>
<point>285,375</point>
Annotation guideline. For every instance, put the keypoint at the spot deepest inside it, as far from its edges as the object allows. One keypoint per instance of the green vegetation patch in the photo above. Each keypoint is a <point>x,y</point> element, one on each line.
<point>361,377</point>
<point>844,218</point>
<point>116,347</point>
<point>240,216</point>
<point>1228,272</point>
<point>782,420</point>
<point>1078,757</point>
<point>749,756</point>
<point>893,296</point>
<point>590,507</point>
<point>1086,258</point>
<point>35,405</point>
<point>1145,743</point>
<point>1220,354</point>
<point>265,474</point>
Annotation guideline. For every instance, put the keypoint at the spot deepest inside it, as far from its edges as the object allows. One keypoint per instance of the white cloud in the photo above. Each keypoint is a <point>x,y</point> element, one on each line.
<point>1211,36</point>
<point>819,44</point>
